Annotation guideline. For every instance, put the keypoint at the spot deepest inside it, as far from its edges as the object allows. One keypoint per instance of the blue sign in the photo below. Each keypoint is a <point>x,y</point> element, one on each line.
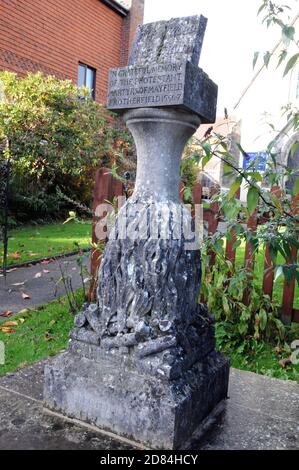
<point>256,160</point>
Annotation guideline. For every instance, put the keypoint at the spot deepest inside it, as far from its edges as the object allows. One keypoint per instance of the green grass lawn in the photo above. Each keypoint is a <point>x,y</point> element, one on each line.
<point>44,331</point>
<point>34,242</point>
<point>265,362</point>
<point>38,334</point>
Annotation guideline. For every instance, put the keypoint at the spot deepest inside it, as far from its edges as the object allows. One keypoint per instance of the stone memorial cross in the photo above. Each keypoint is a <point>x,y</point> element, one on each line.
<point>141,361</point>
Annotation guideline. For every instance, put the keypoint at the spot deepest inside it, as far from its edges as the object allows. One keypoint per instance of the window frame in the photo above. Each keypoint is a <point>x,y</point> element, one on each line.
<point>88,67</point>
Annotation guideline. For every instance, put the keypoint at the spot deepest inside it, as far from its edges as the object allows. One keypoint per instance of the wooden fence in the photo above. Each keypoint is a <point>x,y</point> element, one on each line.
<point>107,188</point>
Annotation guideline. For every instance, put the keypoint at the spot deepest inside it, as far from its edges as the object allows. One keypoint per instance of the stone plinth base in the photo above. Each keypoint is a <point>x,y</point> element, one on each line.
<point>160,413</point>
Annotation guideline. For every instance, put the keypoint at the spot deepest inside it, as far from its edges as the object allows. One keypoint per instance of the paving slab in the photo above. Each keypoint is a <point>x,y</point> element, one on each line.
<point>261,414</point>
<point>40,286</point>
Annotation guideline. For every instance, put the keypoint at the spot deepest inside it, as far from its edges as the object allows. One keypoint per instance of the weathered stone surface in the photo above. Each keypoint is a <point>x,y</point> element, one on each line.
<point>147,260</point>
<point>141,407</point>
<point>163,70</point>
<point>179,39</point>
<point>269,423</point>
<point>178,84</point>
<point>147,347</point>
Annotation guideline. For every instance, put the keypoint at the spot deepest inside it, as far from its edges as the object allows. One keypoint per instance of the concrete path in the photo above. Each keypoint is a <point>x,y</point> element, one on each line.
<point>38,282</point>
<point>262,413</point>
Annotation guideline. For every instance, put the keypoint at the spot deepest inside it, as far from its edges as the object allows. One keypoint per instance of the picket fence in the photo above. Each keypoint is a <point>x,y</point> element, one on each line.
<point>107,188</point>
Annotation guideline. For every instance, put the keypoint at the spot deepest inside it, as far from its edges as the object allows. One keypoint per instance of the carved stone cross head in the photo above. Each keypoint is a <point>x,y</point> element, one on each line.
<point>169,41</point>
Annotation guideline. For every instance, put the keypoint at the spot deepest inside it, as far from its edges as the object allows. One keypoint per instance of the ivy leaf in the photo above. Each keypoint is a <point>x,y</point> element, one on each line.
<point>263,319</point>
<point>267,57</point>
<point>234,188</point>
<point>252,199</point>
<point>187,194</point>
<point>225,304</point>
<point>287,249</point>
<point>227,169</point>
<point>257,176</point>
<point>207,149</point>
<point>282,57</point>
<point>261,8</point>
<point>205,160</point>
<point>273,252</point>
<point>255,57</point>
<point>245,154</point>
<point>288,33</point>
<point>287,271</point>
<point>281,328</point>
<point>242,328</point>
<point>291,63</point>
<point>230,209</point>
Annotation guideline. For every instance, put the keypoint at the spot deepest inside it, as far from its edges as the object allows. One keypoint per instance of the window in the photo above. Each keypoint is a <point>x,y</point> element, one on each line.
<point>87,77</point>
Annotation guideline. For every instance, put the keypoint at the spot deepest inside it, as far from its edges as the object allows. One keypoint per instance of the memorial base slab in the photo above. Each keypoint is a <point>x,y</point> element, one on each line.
<point>157,412</point>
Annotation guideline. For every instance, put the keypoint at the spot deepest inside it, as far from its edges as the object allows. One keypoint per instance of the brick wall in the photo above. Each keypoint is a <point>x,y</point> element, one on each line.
<point>55,35</point>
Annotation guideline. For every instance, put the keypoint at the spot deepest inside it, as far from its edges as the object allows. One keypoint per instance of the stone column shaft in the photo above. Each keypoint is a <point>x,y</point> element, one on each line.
<point>160,136</point>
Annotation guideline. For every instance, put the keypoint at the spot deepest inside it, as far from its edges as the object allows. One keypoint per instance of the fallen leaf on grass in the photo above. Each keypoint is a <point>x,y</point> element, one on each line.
<point>52,322</point>
<point>49,337</point>
<point>10,323</point>
<point>21,320</point>
<point>8,313</point>
<point>31,254</point>
<point>25,310</point>
<point>277,349</point>
<point>5,329</point>
<point>15,255</point>
<point>284,362</point>
<point>25,296</point>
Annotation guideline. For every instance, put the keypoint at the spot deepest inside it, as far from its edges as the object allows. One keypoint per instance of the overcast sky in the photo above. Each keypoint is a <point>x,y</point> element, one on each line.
<point>233,34</point>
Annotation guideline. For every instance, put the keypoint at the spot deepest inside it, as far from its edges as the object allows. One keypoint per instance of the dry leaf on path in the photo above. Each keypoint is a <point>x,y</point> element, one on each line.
<point>38,275</point>
<point>25,296</point>
<point>8,313</point>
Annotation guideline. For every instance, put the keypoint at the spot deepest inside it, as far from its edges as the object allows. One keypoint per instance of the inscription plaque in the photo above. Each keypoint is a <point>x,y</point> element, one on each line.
<point>163,70</point>
<point>179,84</point>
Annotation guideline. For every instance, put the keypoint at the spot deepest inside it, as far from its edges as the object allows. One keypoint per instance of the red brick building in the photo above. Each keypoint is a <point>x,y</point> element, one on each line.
<point>71,39</point>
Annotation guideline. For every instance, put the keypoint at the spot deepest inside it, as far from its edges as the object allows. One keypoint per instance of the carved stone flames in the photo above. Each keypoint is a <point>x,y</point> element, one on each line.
<point>142,361</point>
